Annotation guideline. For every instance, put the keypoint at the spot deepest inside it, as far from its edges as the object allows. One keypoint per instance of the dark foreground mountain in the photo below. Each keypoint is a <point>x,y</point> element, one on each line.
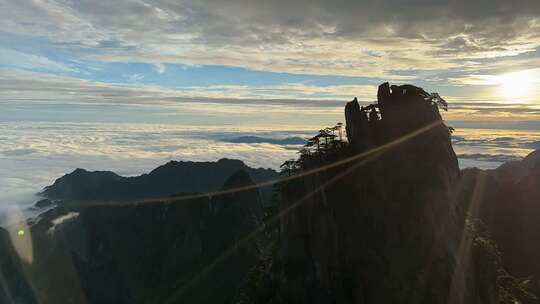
<point>387,224</point>
<point>383,228</point>
<point>385,217</point>
<point>145,253</point>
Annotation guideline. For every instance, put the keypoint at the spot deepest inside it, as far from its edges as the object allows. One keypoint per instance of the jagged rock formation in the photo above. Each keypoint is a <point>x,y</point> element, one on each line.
<point>142,253</point>
<point>507,200</point>
<point>388,230</point>
<point>399,110</point>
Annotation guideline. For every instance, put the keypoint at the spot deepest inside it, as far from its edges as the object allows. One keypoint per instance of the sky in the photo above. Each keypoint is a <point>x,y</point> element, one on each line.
<point>474,52</point>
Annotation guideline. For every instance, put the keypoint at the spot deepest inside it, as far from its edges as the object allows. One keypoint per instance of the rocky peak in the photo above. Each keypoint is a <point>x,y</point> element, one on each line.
<point>387,231</point>
<point>399,110</point>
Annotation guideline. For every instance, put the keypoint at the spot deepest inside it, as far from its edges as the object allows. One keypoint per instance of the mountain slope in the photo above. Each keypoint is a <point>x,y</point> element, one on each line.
<point>507,200</point>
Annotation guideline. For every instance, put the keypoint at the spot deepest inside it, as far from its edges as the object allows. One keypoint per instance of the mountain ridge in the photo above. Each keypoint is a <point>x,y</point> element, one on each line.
<point>169,179</point>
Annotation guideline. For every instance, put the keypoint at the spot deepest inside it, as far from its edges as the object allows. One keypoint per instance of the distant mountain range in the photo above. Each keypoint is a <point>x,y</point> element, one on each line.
<point>166,180</point>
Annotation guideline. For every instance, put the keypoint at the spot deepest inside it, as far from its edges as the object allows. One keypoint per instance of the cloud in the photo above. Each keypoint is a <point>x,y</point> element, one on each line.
<point>135,148</point>
<point>272,102</point>
<point>488,148</point>
<point>18,85</point>
<point>16,59</point>
<point>59,221</point>
<point>499,158</point>
<point>18,152</point>
<point>294,141</point>
<point>135,78</point>
<point>504,142</point>
<point>160,68</point>
<point>128,149</point>
<point>368,38</point>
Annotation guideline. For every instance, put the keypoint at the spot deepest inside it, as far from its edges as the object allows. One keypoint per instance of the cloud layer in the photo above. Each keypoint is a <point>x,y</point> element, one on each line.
<point>385,39</point>
<point>33,154</point>
<point>23,91</point>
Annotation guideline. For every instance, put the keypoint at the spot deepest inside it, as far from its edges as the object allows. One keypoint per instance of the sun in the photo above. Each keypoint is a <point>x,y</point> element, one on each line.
<point>516,84</point>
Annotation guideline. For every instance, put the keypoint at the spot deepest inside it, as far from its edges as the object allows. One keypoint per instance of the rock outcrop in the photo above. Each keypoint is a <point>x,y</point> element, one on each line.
<point>399,110</point>
<point>384,228</point>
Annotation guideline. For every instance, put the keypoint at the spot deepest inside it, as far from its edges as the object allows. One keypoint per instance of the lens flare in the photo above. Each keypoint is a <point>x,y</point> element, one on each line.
<point>20,235</point>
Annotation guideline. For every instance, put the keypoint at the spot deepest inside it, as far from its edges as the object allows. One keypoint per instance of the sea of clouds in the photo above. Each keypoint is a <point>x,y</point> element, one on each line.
<point>43,140</point>
<point>489,148</point>
<point>34,154</point>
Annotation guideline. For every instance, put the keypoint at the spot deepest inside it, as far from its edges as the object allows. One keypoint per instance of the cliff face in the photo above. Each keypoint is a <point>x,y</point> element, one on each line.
<point>384,228</point>
<point>507,200</point>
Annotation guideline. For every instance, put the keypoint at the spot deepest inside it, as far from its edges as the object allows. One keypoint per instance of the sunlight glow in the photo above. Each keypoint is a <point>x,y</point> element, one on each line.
<point>516,84</point>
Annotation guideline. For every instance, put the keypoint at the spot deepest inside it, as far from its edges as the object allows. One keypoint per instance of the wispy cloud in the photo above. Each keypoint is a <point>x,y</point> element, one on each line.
<point>16,59</point>
<point>274,101</point>
<point>135,78</point>
<point>17,85</point>
<point>160,68</point>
